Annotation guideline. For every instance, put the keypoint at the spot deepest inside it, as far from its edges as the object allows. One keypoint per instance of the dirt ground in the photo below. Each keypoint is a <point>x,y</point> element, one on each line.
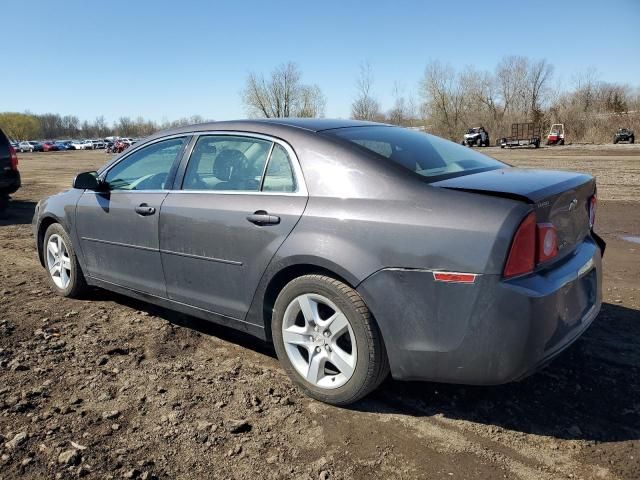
<point>108,387</point>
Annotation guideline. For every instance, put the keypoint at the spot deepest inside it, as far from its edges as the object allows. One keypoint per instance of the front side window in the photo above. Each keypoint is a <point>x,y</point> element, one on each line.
<point>146,169</point>
<point>424,154</point>
<point>227,163</point>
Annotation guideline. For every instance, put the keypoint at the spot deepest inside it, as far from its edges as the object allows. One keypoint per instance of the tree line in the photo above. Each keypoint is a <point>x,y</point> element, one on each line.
<point>28,126</point>
<point>444,101</point>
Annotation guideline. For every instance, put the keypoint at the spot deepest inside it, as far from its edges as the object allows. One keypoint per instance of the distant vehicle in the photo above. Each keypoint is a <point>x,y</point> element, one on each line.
<point>88,144</point>
<point>64,144</point>
<point>9,174</point>
<point>522,134</point>
<point>624,135</point>
<point>97,144</point>
<point>50,147</point>
<point>37,146</point>
<point>24,147</point>
<point>556,134</point>
<point>477,136</point>
<point>76,145</point>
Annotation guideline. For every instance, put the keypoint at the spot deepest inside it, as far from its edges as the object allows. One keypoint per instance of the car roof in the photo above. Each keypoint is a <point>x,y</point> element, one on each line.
<point>308,124</point>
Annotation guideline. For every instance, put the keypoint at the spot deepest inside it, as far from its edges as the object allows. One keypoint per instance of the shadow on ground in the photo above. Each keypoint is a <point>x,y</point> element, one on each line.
<point>589,392</point>
<point>17,212</point>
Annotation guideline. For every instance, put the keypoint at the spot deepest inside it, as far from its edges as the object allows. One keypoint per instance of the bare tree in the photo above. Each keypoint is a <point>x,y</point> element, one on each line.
<point>538,78</point>
<point>312,102</point>
<point>365,107</point>
<point>282,95</point>
<point>403,110</point>
<point>443,96</point>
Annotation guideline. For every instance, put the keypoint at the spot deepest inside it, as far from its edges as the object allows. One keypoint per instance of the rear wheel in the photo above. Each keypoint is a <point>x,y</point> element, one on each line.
<point>327,340</point>
<point>64,273</point>
<point>615,140</point>
<point>633,140</point>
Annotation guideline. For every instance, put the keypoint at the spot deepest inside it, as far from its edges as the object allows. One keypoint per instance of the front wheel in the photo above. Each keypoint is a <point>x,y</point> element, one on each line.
<point>327,340</point>
<point>63,270</point>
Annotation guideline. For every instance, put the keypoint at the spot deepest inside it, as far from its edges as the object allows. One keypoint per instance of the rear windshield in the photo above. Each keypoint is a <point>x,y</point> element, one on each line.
<point>424,154</point>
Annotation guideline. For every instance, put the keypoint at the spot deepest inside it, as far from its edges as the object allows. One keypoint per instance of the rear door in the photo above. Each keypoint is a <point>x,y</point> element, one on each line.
<point>118,228</point>
<point>240,197</point>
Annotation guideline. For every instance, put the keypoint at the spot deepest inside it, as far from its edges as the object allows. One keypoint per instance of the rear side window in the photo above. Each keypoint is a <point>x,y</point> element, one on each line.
<point>279,176</point>
<point>424,154</point>
<point>225,162</point>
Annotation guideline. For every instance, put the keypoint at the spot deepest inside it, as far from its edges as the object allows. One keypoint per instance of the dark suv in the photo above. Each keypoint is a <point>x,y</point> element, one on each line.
<point>9,175</point>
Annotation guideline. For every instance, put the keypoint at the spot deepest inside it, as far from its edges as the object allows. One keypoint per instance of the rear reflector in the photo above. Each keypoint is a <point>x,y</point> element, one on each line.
<point>522,256</point>
<point>593,203</point>
<point>14,158</point>
<point>453,277</point>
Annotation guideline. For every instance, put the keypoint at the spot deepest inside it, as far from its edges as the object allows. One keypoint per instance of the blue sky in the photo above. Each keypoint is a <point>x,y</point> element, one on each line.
<point>164,60</point>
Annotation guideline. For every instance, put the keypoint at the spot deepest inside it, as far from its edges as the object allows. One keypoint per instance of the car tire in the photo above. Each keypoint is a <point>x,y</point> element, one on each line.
<point>615,140</point>
<point>365,363</point>
<point>64,273</point>
<point>633,140</point>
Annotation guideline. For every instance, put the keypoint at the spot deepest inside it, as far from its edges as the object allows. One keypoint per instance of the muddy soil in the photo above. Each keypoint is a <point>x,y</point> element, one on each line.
<point>109,387</point>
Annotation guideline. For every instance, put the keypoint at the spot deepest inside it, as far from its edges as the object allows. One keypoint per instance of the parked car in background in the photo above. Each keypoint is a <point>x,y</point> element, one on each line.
<point>88,144</point>
<point>37,146</point>
<point>98,144</point>
<point>9,174</point>
<point>63,144</point>
<point>76,145</point>
<point>624,135</point>
<point>356,248</point>
<point>50,146</point>
<point>25,147</point>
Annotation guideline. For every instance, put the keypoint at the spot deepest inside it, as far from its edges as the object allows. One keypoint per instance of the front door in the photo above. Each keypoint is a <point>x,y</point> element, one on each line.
<point>118,228</point>
<point>239,202</point>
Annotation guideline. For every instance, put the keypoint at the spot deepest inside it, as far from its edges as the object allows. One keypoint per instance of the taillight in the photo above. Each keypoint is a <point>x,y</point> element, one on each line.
<point>532,244</point>
<point>522,255</point>
<point>547,242</point>
<point>593,203</point>
<point>14,158</point>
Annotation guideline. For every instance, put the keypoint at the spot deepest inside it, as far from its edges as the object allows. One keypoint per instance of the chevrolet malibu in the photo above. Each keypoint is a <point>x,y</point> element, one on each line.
<point>357,248</point>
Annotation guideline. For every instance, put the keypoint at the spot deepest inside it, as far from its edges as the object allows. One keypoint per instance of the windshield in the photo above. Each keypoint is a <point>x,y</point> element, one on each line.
<point>422,153</point>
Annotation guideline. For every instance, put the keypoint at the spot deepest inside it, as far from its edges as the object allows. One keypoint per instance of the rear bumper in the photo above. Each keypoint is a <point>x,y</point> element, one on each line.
<point>9,182</point>
<point>489,332</point>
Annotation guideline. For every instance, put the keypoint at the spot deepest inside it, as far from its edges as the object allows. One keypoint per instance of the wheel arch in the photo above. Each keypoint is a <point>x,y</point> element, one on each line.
<point>280,278</point>
<point>43,225</point>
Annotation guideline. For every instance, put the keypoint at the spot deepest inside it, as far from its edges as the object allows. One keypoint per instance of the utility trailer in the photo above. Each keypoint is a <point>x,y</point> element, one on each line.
<point>522,135</point>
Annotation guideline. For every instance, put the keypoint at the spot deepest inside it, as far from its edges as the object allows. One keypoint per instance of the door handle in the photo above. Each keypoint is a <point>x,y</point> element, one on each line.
<point>263,218</point>
<point>144,210</point>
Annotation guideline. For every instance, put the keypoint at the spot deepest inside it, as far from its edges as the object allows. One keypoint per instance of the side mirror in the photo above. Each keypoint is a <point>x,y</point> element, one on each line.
<point>87,181</point>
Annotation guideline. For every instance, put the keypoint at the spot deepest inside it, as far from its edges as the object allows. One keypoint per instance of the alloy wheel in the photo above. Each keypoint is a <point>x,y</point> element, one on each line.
<point>58,261</point>
<point>319,341</point>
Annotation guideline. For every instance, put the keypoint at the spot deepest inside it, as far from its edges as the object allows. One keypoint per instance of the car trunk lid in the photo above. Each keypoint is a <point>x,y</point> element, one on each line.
<point>560,198</point>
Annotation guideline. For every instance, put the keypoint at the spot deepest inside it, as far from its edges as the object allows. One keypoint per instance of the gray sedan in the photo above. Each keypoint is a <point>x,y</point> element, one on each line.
<point>357,248</point>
